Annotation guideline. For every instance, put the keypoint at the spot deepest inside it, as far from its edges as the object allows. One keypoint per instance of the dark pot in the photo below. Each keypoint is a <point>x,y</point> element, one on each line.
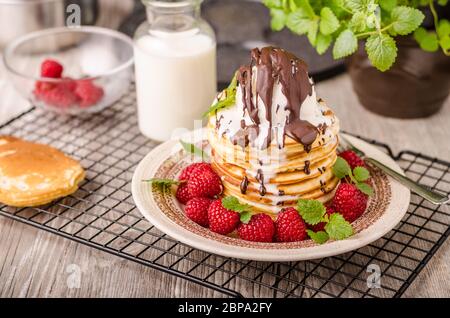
<point>416,86</point>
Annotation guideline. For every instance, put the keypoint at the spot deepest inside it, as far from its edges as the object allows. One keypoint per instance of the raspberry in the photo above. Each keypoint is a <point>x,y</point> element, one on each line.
<point>352,159</point>
<point>88,93</point>
<point>58,96</point>
<point>260,228</point>
<point>221,220</point>
<point>349,201</point>
<point>289,226</point>
<point>321,226</point>
<point>51,68</point>
<point>186,172</point>
<point>182,194</point>
<point>204,182</point>
<point>197,210</point>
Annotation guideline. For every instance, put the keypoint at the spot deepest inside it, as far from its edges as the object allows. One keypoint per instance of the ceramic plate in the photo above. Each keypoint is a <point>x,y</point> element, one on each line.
<point>385,209</point>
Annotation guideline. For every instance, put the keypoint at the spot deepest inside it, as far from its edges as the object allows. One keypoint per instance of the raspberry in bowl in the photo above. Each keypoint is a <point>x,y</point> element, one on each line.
<point>77,70</point>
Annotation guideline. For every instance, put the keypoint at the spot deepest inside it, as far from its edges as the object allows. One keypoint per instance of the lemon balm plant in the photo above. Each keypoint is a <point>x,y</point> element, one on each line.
<point>340,24</point>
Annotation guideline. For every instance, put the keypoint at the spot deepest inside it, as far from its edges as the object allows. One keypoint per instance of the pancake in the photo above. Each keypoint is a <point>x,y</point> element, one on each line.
<point>277,143</point>
<point>34,174</point>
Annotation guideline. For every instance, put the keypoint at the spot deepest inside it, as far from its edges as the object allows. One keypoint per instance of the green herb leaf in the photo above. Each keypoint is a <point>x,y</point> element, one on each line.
<point>312,32</point>
<point>162,184</point>
<point>428,41</point>
<point>245,217</point>
<point>228,100</point>
<point>388,5</point>
<point>323,43</point>
<point>312,211</point>
<point>328,21</point>
<point>193,149</point>
<point>358,22</point>
<point>300,22</point>
<point>341,168</point>
<point>233,204</point>
<point>273,3</point>
<point>443,28</point>
<point>338,228</point>
<point>442,2</point>
<point>444,42</point>
<point>346,44</point>
<point>382,51</point>
<point>405,19</point>
<point>365,188</point>
<point>361,174</point>
<point>318,237</point>
<point>361,5</point>
<point>278,20</point>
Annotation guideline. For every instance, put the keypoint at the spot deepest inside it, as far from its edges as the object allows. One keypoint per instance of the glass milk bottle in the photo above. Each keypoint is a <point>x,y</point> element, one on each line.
<point>175,66</point>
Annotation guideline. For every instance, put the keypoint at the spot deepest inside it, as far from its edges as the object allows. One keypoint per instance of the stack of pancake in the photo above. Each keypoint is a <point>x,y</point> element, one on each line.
<point>271,149</point>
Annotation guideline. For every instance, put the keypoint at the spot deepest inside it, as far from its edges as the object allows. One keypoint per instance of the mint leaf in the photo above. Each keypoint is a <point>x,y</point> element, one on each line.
<point>245,217</point>
<point>361,5</point>
<point>318,237</point>
<point>341,168</point>
<point>346,44</point>
<point>328,21</point>
<point>428,41</point>
<point>382,51</point>
<point>228,100</point>
<point>233,204</point>
<point>442,2</point>
<point>312,32</point>
<point>300,22</point>
<point>273,3</point>
<point>388,5</point>
<point>358,22</point>
<point>162,184</point>
<point>405,19</point>
<point>193,149</point>
<point>361,174</point>
<point>444,42</point>
<point>338,228</point>
<point>278,20</point>
<point>312,211</point>
<point>443,28</point>
<point>323,43</point>
<point>364,188</point>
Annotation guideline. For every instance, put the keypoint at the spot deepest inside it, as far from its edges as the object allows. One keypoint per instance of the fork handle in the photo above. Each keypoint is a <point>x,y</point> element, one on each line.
<point>427,194</point>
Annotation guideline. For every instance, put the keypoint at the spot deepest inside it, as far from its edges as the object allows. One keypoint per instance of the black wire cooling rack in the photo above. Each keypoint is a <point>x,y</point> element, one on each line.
<point>102,214</point>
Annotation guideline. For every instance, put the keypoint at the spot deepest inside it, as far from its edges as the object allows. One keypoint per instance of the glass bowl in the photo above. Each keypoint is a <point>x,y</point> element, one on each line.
<point>97,66</point>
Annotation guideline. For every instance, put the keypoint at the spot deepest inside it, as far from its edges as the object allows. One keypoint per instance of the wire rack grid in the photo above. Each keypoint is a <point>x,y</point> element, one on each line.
<point>102,214</point>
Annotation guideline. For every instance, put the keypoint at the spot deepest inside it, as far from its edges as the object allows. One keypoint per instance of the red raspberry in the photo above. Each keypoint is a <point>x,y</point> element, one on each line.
<point>182,194</point>
<point>289,226</point>
<point>88,93</point>
<point>59,96</point>
<point>197,210</point>
<point>51,68</point>
<point>221,220</point>
<point>204,182</point>
<point>186,172</point>
<point>352,159</point>
<point>42,86</point>
<point>349,201</point>
<point>260,228</point>
<point>321,226</point>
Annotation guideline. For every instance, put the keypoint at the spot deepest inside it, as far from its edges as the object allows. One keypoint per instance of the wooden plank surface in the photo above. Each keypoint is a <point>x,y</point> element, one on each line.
<point>34,263</point>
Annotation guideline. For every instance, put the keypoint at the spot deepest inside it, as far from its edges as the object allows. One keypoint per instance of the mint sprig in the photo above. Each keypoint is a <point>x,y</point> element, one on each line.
<point>233,204</point>
<point>314,212</point>
<point>358,176</point>
<point>228,98</point>
<point>193,149</point>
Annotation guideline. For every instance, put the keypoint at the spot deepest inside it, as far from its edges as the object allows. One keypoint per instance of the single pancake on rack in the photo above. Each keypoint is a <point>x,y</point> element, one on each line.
<point>33,174</point>
<point>277,142</point>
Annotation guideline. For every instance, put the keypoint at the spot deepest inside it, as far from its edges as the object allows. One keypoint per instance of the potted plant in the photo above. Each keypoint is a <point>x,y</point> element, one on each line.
<point>398,61</point>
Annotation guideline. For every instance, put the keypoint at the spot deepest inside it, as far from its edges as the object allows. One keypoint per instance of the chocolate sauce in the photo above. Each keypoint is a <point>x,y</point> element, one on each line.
<point>307,169</point>
<point>281,192</point>
<point>276,65</point>
<point>260,178</point>
<point>244,185</point>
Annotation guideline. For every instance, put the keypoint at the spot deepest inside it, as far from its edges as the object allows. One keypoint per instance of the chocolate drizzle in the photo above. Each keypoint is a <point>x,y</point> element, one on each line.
<point>307,169</point>
<point>244,185</point>
<point>276,65</point>
<point>260,178</point>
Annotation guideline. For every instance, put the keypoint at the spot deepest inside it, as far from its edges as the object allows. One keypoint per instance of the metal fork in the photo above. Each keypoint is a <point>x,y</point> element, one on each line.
<point>421,190</point>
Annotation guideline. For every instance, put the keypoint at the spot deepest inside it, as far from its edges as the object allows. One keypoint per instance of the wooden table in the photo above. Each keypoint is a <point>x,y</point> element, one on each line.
<point>34,263</point>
